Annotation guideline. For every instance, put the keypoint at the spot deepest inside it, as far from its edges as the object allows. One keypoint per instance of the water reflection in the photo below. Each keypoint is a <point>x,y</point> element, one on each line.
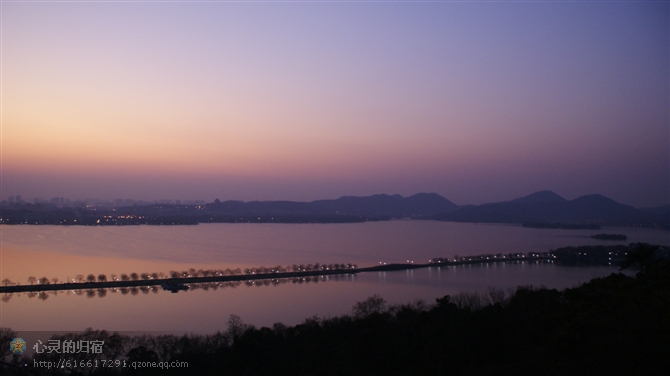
<point>41,250</point>
<point>207,286</point>
<point>288,301</point>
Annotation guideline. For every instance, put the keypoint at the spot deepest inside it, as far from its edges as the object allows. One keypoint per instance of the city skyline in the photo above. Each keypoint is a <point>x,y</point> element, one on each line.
<point>478,102</point>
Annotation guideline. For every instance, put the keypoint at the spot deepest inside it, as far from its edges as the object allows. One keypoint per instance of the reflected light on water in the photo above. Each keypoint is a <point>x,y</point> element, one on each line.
<point>64,252</point>
<point>205,309</point>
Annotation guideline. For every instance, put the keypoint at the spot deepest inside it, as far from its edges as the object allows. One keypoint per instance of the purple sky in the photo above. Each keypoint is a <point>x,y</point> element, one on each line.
<point>477,102</point>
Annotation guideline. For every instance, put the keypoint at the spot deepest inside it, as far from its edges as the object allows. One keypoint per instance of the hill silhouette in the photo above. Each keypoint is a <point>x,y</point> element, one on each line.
<point>539,207</point>
<point>417,205</point>
<point>541,196</point>
<point>548,207</point>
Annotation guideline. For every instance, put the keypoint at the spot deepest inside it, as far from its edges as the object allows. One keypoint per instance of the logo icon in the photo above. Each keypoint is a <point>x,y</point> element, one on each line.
<point>17,346</point>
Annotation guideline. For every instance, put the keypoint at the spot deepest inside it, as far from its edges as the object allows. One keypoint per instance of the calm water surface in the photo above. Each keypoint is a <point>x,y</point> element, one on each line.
<point>63,252</point>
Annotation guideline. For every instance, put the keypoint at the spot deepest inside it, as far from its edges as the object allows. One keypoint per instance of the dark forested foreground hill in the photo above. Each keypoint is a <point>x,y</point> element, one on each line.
<point>541,208</point>
<point>616,325</point>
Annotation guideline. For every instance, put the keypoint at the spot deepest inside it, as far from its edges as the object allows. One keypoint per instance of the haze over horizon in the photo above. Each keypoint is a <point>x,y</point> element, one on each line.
<point>478,102</point>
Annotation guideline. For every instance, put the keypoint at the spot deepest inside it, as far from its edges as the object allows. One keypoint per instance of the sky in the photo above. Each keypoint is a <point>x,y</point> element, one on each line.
<point>476,101</point>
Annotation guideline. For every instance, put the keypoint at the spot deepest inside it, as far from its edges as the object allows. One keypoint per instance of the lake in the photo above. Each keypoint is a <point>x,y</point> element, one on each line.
<point>64,252</point>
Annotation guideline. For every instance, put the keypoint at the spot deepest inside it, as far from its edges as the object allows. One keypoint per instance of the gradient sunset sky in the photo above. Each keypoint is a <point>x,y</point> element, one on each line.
<point>476,101</point>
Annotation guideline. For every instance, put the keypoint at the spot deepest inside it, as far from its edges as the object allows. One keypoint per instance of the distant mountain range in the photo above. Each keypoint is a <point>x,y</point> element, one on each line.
<point>548,207</point>
<point>543,207</point>
<point>422,204</point>
<point>539,207</point>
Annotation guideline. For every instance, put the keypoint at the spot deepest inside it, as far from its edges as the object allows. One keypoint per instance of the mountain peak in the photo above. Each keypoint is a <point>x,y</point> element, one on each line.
<point>594,198</point>
<point>541,196</point>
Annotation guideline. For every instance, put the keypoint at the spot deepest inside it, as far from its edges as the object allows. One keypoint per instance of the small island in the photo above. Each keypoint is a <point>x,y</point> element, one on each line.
<point>610,237</point>
<point>564,226</point>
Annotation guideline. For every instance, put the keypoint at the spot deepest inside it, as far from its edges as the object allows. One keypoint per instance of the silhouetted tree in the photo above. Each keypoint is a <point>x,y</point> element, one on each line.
<point>642,256</point>
<point>134,276</point>
<point>79,278</point>
<point>6,282</point>
<point>32,280</point>
<point>236,327</point>
<point>90,278</point>
<point>142,354</point>
<point>468,300</point>
<point>373,304</point>
<point>6,336</point>
<point>495,296</point>
<point>102,278</point>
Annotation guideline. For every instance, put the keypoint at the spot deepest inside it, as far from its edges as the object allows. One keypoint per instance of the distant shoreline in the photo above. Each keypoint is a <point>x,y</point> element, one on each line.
<point>541,209</point>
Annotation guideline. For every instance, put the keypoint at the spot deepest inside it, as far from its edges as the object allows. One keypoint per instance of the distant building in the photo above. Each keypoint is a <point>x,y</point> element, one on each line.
<point>58,201</point>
